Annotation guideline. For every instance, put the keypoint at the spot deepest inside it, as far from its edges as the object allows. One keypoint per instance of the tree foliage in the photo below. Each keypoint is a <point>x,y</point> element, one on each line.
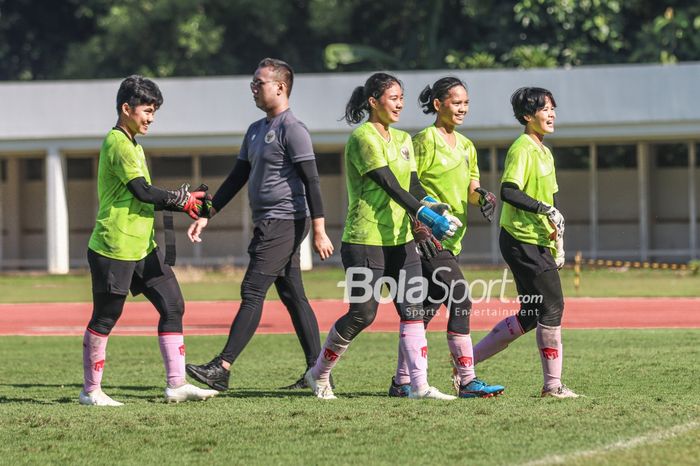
<point>60,39</point>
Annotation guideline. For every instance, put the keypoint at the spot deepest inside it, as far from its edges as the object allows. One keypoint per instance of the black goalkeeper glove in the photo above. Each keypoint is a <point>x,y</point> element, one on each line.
<point>428,245</point>
<point>206,210</point>
<point>182,200</point>
<point>487,201</point>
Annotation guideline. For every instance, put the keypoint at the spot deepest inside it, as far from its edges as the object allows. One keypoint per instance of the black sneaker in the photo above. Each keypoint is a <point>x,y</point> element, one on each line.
<point>301,384</point>
<point>298,385</point>
<point>399,390</point>
<point>212,374</point>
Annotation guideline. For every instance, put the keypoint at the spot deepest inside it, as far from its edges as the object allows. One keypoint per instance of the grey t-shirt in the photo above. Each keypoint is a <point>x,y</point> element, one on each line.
<point>275,189</point>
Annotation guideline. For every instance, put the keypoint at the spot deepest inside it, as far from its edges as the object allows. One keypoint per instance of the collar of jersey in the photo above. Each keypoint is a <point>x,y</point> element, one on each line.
<point>440,140</point>
<point>274,118</point>
<point>121,130</point>
<point>542,149</point>
<point>391,136</point>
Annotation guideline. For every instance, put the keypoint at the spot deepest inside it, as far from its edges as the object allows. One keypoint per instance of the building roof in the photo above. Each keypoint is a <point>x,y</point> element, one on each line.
<point>595,103</point>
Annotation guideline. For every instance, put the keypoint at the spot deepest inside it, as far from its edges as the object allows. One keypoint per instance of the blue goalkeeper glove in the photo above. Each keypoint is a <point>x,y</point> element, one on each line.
<point>434,215</point>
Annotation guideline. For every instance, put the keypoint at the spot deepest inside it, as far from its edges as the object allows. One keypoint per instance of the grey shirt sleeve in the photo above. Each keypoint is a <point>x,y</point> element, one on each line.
<point>297,140</point>
<point>243,154</point>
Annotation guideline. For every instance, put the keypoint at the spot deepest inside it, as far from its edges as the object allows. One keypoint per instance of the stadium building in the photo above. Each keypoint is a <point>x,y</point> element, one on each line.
<point>626,150</point>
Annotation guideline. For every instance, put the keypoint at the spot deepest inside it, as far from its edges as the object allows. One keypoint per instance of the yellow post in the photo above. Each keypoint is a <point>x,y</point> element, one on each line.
<point>577,270</point>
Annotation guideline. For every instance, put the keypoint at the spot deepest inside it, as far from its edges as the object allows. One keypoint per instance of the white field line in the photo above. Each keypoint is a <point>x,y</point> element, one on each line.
<point>646,439</point>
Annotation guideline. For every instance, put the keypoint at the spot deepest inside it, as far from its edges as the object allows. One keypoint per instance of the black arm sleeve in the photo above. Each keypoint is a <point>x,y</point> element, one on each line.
<point>147,193</point>
<point>384,177</point>
<point>416,188</point>
<point>554,196</point>
<point>514,196</point>
<point>309,175</point>
<point>231,185</point>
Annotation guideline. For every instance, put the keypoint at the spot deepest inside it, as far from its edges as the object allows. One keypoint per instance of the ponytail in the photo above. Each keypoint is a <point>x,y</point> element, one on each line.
<point>357,106</point>
<point>440,91</point>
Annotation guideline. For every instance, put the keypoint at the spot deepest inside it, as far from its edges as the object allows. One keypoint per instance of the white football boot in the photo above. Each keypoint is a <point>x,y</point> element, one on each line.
<point>188,392</point>
<point>97,398</point>
<point>430,393</point>
<point>562,391</point>
<point>322,390</point>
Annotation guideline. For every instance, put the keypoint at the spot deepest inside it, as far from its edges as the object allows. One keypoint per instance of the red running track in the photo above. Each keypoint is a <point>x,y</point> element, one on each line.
<point>214,318</point>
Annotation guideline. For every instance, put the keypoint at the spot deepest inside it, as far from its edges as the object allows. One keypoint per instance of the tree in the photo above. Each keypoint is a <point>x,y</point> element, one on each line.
<point>57,39</point>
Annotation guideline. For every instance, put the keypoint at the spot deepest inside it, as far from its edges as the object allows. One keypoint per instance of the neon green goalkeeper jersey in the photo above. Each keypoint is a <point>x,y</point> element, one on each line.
<point>124,227</point>
<point>373,217</point>
<point>445,173</point>
<point>531,168</point>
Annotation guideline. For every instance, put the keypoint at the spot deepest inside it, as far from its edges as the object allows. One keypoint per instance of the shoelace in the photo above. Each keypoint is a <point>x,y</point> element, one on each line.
<point>478,382</point>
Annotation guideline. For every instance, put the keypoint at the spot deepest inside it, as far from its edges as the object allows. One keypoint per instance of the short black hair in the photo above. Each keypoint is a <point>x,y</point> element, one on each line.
<point>282,70</point>
<point>137,90</point>
<point>528,100</point>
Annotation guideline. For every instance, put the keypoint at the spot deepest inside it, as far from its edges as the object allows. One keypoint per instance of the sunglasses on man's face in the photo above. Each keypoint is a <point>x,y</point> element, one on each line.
<point>257,83</point>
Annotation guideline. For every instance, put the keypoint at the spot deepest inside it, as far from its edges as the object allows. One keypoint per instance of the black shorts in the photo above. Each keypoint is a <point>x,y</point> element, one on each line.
<point>385,261</point>
<point>445,269</point>
<point>390,259</point>
<point>119,276</point>
<point>274,248</point>
<point>537,280</point>
<point>525,258</point>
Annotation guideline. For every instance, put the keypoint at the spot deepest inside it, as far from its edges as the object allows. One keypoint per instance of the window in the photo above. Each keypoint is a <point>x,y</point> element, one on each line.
<point>328,163</point>
<point>670,155</point>
<point>32,169</point>
<point>213,166</point>
<point>617,156</point>
<point>501,153</point>
<point>79,168</point>
<point>483,157</point>
<point>171,167</point>
<point>571,158</point>
<point>3,170</point>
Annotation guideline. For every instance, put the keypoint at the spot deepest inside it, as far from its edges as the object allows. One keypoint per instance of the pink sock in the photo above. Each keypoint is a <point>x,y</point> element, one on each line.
<point>551,354</point>
<point>333,348</point>
<point>403,376</point>
<point>172,347</point>
<point>414,346</point>
<point>463,355</point>
<point>94,350</point>
<point>498,339</point>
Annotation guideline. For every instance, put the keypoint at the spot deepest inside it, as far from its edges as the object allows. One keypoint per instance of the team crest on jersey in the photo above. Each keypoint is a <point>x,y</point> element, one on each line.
<point>405,153</point>
<point>270,136</point>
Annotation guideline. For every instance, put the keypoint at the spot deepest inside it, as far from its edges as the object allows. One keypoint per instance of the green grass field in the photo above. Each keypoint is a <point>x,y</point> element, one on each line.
<point>321,283</point>
<point>642,406</point>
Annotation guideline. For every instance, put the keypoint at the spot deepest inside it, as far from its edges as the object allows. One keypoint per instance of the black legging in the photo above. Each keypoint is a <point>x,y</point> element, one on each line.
<point>291,291</point>
<point>377,262</point>
<point>445,269</point>
<point>551,308</point>
<point>536,279</point>
<point>165,296</point>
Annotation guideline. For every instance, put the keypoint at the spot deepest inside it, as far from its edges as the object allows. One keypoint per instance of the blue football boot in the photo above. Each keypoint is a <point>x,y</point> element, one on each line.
<point>479,389</point>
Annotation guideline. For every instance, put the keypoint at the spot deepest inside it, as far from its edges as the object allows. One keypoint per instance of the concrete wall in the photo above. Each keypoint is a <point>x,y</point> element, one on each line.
<point>619,210</point>
<point>225,240</point>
